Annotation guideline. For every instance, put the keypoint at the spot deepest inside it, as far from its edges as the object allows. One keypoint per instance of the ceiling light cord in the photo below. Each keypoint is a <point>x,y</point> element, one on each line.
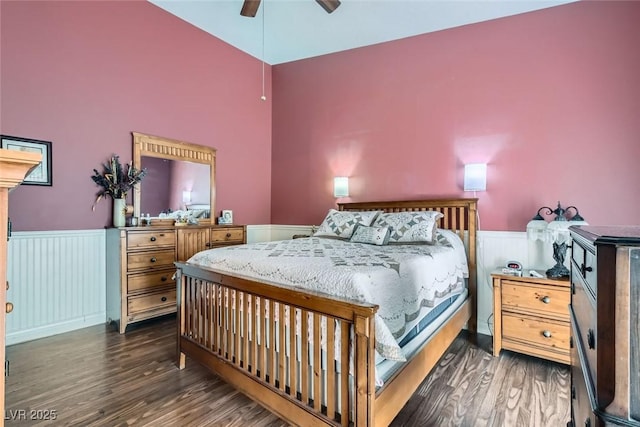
<point>263,97</point>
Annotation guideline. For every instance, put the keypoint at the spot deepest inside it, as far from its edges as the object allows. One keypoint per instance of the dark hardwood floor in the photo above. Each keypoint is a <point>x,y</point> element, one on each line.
<point>97,377</point>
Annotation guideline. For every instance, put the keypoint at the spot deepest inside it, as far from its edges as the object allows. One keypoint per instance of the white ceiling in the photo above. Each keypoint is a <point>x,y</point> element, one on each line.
<point>298,29</point>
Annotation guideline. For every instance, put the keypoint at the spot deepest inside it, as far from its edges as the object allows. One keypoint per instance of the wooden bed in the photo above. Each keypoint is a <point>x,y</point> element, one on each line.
<point>215,310</point>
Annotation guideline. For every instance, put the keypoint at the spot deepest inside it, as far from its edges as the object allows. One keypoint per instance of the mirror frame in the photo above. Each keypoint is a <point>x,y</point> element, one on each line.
<point>172,149</point>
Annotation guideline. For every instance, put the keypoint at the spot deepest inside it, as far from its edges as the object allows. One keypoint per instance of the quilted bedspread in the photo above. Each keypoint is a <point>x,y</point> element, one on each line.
<point>400,279</point>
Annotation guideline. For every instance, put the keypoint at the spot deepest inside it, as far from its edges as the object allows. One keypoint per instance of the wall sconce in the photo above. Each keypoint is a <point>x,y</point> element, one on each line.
<point>475,177</point>
<point>341,186</point>
<point>556,232</point>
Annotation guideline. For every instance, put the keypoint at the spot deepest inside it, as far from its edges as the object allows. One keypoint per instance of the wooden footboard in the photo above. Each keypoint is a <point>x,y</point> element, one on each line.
<point>264,340</point>
<point>309,357</point>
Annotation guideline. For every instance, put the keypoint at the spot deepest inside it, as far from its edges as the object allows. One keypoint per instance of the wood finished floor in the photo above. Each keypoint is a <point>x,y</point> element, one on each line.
<point>97,377</point>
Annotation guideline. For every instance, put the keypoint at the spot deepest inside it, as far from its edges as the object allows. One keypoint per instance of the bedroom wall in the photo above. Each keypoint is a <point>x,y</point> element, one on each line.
<point>84,75</point>
<point>549,99</point>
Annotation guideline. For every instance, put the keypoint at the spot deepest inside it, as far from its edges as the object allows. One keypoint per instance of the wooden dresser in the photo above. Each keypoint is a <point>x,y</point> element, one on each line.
<point>531,316</point>
<point>140,266</point>
<point>605,326</point>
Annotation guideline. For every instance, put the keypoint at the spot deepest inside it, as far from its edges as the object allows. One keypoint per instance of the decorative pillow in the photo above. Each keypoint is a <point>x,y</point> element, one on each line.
<point>408,227</point>
<point>341,224</point>
<point>371,235</point>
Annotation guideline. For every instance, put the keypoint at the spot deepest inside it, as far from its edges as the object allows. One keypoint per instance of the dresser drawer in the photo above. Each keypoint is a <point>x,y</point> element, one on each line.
<point>152,301</point>
<point>150,239</point>
<point>227,234</point>
<point>581,412</point>
<point>584,310</point>
<point>151,259</point>
<point>538,332</point>
<point>537,300</point>
<point>585,265</point>
<point>149,281</point>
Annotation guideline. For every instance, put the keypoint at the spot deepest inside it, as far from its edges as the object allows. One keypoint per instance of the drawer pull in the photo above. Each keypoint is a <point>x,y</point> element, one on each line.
<point>546,334</point>
<point>153,238</point>
<point>591,339</point>
<point>545,299</point>
<point>153,259</point>
<point>163,299</point>
<point>9,307</point>
<point>208,244</point>
<point>163,279</point>
<point>228,235</point>
<point>585,269</point>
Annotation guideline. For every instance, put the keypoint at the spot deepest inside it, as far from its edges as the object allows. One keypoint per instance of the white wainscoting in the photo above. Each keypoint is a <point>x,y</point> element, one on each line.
<point>58,281</point>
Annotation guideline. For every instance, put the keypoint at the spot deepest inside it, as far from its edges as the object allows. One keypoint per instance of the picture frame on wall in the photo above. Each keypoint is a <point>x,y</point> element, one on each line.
<point>40,175</point>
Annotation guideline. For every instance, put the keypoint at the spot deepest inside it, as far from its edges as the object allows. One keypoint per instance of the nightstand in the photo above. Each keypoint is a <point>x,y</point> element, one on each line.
<point>531,316</point>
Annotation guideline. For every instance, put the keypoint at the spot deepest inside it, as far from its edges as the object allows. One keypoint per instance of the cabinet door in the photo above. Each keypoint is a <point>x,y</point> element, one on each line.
<point>192,241</point>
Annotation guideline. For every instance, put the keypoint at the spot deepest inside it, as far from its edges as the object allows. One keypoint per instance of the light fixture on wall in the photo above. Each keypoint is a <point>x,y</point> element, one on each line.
<point>341,186</point>
<point>556,232</point>
<point>475,177</point>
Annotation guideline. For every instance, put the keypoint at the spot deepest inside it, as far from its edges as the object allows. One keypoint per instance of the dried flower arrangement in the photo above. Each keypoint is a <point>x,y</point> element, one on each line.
<point>116,180</point>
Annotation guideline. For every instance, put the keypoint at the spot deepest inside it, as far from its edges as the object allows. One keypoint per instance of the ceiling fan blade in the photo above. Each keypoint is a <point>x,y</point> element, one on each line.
<point>250,8</point>
<point>329,5</point>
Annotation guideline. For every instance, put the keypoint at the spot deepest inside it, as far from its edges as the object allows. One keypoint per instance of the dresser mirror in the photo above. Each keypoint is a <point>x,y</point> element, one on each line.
<point>180,176</point>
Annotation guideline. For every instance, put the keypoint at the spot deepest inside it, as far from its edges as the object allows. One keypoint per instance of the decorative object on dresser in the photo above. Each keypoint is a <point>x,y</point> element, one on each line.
<point>605,326</point>
<point>116,181</point>
<point>14,166</point>
<point>531,316</point>
<point>226,217</point>
<point>556,232</point>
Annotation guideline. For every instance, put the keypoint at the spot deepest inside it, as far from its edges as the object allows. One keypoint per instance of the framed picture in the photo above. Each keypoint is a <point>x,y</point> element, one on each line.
<point>226,217</point>
<point>41,175</point>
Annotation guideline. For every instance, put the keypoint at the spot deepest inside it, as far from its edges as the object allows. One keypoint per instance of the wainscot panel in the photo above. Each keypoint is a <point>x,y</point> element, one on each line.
<point>56,282</point>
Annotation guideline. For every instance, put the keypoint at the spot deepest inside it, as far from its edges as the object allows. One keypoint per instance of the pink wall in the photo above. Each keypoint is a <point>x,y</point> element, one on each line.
<point>84,75</point>
<point>550,100</point>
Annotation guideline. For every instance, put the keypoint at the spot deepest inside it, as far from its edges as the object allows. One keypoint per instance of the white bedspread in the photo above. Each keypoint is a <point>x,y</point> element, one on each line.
<point>400,279</point>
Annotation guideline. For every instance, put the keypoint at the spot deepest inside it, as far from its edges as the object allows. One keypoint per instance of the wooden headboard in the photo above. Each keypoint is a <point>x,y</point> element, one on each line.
<point>460,216</point>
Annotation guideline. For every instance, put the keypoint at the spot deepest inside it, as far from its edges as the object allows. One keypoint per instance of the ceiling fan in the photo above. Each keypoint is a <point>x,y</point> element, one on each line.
<point>250,7</point>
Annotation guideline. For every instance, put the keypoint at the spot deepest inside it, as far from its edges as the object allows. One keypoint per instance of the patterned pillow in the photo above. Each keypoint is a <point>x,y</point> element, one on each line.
<point>407,227</point>
<point>371,235</point>
<point>341,224</point>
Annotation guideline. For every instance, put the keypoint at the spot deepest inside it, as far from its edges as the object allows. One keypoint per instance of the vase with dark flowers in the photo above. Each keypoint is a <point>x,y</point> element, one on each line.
<point>115,181</point>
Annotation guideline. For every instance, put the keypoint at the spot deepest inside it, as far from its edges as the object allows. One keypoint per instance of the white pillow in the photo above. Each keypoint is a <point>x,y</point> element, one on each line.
<point>405,227</point>
<point>341,224</point>
<point>371,235</point>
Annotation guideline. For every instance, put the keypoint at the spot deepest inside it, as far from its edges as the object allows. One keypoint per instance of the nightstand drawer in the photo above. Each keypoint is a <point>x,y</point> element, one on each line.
<point>227,234</point>
<point>537,300</point>
<point>536,332</point>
